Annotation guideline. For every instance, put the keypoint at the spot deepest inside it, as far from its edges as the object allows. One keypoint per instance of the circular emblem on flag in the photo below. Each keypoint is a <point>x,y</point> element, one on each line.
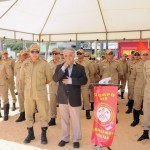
<point>104,114</point>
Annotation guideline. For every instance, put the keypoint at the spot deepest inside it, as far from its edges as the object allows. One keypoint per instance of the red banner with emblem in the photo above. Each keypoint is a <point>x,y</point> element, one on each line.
<point>105,109</point>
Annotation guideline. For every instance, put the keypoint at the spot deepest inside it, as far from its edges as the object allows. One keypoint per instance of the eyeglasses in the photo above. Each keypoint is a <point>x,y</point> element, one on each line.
<point>35,52</point>
<point>92,58</point>
<point>136,54</point>
<point>78,53</point>
<point>55,53</point>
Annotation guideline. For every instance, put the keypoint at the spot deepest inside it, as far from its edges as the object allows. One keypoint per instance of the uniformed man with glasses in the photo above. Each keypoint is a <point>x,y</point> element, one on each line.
<point>36,73</point>
<point>85,92</point>
<point>53,86</point>
<point>20,84</point>
<point>131,80</point>
<point>111,68</point>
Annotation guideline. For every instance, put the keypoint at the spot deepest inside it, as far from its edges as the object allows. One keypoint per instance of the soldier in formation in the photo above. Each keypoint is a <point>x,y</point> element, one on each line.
<point>6,74</point>
<point>35,73</point>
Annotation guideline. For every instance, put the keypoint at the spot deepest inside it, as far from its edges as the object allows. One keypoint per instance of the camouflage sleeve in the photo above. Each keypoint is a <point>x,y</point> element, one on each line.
<point>134,72</point>
<point>120,70</point>
<point>9,73</point>
<point>128,70</point>
<point>48,72</point>
<point>13,65</point>
<point>22,73</point>
<point>101,70</point>
<point>91,69</point>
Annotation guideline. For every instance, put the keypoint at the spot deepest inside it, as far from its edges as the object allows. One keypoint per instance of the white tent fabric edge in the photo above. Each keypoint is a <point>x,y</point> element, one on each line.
<point>132,35</point>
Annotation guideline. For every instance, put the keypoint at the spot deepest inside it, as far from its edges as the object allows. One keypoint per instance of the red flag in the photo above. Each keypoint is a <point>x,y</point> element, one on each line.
<point>105,108</point>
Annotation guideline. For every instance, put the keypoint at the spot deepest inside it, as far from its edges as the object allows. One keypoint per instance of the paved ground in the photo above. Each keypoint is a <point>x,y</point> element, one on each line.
<point>12,134</point>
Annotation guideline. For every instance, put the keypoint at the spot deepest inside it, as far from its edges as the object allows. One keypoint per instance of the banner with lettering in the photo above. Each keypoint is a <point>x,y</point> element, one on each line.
<point>105,110</point>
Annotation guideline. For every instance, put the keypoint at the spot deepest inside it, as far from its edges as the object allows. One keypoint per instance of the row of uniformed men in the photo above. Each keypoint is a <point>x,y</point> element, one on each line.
<point>139,90</point>
<point>138,75</point>
<point>94,71</point>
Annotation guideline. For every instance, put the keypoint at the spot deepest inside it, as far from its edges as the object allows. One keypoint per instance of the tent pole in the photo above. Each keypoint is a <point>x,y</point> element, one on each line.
<point>95,49</point>
<point>47,50</point>
<point>1,46</point>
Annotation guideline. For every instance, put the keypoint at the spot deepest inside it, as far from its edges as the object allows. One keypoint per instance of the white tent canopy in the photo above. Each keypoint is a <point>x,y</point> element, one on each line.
<point>74,20</point>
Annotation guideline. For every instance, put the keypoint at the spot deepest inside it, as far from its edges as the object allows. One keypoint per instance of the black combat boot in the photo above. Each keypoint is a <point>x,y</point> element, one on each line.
<point>88,116</point>
<point>144,135</point>
<point>21,117</point>
<point>122,95</point>
<point>136,114</point>
<point>130,106</point>
<point>43,135</point>
<point>52,122</point>
<point>141,110</point>
<point>13,107</point>
<point>6,112</point>
<point>92,106</point>
<point>34,117</point>
<point>83,106</point>
<point>30,135</point>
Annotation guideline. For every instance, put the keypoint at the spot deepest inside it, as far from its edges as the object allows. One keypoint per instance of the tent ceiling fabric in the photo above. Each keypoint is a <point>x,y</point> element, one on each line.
<point>75,20</point>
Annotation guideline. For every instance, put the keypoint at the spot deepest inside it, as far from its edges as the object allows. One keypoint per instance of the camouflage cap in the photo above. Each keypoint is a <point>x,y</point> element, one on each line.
<point>87,54</point>
<point>92,56</point>
<point>34,47</point>
<point>81,51</point>
<point>22,52</point>
<point>109,51</point>
<point>56,50</point>
<point>4,52</point>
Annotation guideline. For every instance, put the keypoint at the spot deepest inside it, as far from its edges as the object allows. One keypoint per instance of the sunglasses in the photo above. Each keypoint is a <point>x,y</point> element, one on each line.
<point>78,53</point>
<point>55,53</point>
<point>136,54</point>
<point>110,54</point>
<point>92,58</point>
<point>35,52</point>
